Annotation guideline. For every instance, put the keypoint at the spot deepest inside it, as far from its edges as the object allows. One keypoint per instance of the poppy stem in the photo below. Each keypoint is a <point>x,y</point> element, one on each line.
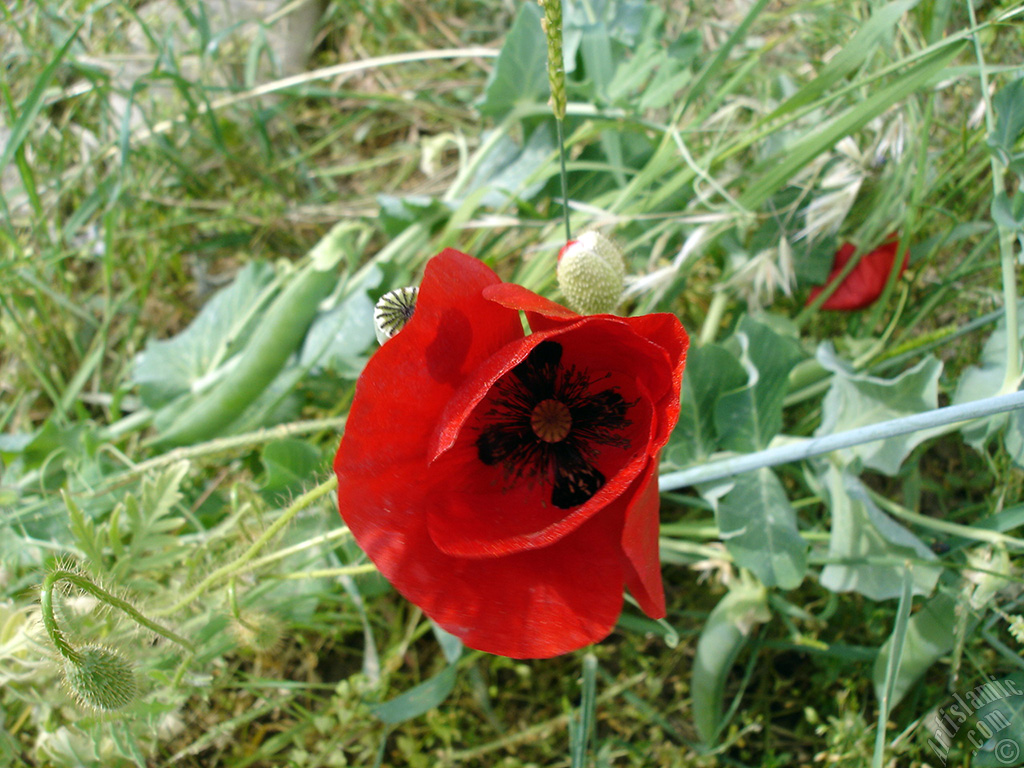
<point>816,446</point>
<point>232,568</point>
<point>565,178</point>
<point>1009,269</point>
<point>88,586</point>
<point>1008,265</point>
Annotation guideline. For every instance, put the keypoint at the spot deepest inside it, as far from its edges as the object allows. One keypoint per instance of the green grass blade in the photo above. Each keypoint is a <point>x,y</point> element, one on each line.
<point>28,111</point>
<point>899,635</point>
<point>777,171</point>
<point>847,60</point>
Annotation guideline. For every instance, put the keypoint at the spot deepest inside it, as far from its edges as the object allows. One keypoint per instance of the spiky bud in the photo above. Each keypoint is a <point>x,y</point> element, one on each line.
<point>394,309</point>
<point>101,678</point>
<point>591,273</point>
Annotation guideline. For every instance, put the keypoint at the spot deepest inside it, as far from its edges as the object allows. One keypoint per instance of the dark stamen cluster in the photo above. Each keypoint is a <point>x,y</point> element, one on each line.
<point>545,423</point>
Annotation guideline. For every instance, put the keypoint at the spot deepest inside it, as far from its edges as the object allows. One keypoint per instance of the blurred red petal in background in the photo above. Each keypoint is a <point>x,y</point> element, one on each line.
<point>867,280</point>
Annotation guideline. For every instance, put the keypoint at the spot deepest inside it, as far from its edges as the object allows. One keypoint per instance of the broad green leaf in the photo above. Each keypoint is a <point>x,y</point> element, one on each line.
<point>710,370</point>
<point>338,337</point>
<point>520,74</point>
<point>721,640</point>
<point>418,700</point>
<point>451,646</point>
<point>169,368</point>
<point>858,399</point>
<point>289,464</point>
<point>758,526</point>
<point>598,59</point>
<point>1008,212</point>
<point>398,213</point>
<point>929,637</point>
<point>873,547</point>
<point>748,418</point>
<point>620,20</point>
<point>508,169</point>
<point>1008,106</point>
<point>986,380</point>
<point>1014,439</point>
<point>897,646</point>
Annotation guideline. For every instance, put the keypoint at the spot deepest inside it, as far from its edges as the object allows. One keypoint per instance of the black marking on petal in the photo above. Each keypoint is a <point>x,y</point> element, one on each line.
<point>600,417</point>
<point>501,442</point>
<point>575,486</point>
<point>539,371</point>
<point>507,436</point>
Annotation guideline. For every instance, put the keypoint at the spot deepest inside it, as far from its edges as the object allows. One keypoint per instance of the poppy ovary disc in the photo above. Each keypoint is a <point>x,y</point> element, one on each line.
<point>551,421</point>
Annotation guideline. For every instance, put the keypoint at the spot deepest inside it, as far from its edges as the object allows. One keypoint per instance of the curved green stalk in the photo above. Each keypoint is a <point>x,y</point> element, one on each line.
<point>87,585</point>
<point>236,565</point>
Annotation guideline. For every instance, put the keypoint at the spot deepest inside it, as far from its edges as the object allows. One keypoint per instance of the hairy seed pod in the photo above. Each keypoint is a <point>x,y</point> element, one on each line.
<point>591,273</point>
<point>393,311</point>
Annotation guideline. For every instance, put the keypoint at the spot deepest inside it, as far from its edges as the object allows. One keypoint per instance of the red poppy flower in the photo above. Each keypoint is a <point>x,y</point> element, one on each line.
<point>866,281</point>
<point>507,483</point>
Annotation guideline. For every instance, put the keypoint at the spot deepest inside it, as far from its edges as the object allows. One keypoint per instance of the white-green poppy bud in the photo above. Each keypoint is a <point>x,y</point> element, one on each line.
<point>591,273</point>
<point>394,310</point>
<point>101,678</point>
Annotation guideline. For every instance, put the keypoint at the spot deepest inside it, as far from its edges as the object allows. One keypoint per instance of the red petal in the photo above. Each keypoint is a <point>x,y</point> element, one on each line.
<point>543,314</point>
<point>533,604</point>
<point>477,513</point>
<point>640,544</point>
<point>866,281</point>
<point>666,332</point>
<point>382,464</point>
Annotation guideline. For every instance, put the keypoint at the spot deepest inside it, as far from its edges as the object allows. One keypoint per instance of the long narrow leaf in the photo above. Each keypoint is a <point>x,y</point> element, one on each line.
<point>852,55</point>
<point>28,110</point>
<point>778,170</point>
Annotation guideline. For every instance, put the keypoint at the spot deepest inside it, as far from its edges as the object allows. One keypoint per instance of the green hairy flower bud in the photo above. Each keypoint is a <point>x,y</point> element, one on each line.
<point>591,273</point>
<point>102,678</point>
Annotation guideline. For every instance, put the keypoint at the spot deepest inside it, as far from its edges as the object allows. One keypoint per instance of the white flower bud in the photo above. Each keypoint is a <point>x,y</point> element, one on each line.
<point>591,273</point>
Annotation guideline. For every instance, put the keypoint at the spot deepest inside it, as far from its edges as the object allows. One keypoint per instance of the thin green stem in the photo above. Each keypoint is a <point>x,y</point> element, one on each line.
<point>219,445</point>
<point>719,303</point>
<point>86,585</point>
<point>944,526</point>
<point>1007,262</point>
<point>344,570</point>
<point>565,178</point>
<point>237,565</point>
